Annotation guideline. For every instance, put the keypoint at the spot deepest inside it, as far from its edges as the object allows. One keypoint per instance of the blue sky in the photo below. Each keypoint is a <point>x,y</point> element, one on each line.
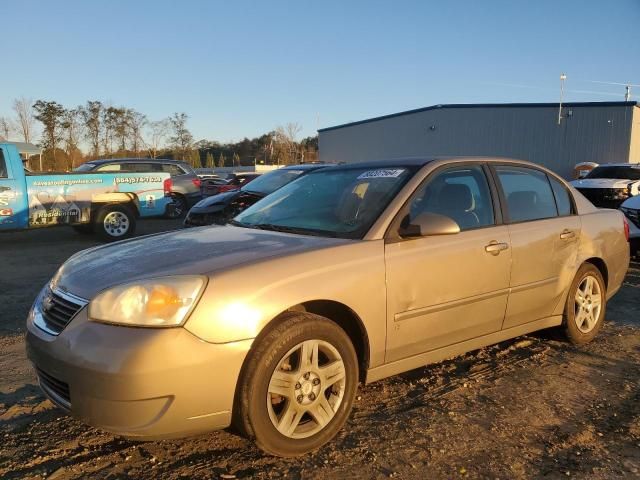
<point>240,68</point>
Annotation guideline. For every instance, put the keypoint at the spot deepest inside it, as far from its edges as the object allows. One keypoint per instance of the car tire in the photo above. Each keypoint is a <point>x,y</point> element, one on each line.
<point>586,305</point>
<point>179,207</point>
<point>312,400</point>
<point>115,222</point>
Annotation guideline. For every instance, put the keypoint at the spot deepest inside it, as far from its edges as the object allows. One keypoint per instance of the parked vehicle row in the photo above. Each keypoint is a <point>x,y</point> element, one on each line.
<point>106,203</point>
<point>608,185</point>
<point>220,208</point>
<point>349,273</point>
<point>616,185</point>
<point>185,184</point>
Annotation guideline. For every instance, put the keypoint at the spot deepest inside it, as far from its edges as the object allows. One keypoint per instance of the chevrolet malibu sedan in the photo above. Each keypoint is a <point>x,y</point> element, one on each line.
<point>349,274</point>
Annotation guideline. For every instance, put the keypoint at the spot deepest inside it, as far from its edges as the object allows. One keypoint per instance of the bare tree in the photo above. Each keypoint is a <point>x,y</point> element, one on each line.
<point>5,128</point>
<point>50,114</point>
<point>110,116</point>
<point>92,118</point>
<point>136,121</point>
<point>72,127</point>
<point>182,140</point>
<point>286,146</point>
<point>25,117</point>
<point>156,133</point>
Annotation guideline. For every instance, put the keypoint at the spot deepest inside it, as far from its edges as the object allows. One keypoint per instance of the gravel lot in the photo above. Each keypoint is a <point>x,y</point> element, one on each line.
<point>534,407</point>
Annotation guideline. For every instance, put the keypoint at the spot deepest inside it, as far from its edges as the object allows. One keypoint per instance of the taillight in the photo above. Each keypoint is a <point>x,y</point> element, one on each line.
<point>167,186</point>
<point>626,227</point>
<point>197,182</point>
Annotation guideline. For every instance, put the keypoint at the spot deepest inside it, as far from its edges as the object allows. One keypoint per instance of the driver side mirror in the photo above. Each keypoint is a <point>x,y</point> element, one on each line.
<point>427,224</point>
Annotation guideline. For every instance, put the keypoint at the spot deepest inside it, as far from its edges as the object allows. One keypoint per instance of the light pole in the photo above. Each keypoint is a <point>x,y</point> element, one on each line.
<point>563,77</point>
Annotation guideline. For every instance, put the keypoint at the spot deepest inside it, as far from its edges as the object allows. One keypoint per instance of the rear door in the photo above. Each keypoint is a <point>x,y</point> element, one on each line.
<point>13,203</point>
<point>544,232</point>
<point>447,289</point>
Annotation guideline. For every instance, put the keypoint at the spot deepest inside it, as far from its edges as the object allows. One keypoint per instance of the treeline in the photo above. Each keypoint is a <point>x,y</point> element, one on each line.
<point>108,131</point>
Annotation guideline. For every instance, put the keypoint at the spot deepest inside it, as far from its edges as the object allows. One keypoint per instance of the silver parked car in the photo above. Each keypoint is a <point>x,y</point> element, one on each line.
<point>349,274</point>
<point>185,189</point>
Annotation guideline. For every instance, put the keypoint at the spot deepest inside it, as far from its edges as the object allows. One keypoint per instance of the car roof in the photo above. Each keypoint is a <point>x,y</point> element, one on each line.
<point>102,161</point>
<point>630,165</point>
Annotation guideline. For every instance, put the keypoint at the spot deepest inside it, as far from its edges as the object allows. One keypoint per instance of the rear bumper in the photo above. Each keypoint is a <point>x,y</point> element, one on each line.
<point>138,382</point>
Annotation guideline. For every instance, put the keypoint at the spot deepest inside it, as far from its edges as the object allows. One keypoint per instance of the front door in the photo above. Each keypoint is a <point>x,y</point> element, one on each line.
<point>544,233</point>
<point>13,205</point>
<point>446,289</point>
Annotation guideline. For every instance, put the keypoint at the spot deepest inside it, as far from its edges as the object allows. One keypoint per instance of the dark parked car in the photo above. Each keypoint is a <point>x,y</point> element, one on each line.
<point>220,208</point>
<point>185,189</point>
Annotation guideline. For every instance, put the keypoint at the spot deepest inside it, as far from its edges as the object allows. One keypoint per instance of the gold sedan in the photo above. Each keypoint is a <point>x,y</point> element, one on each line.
<point>350,274</point>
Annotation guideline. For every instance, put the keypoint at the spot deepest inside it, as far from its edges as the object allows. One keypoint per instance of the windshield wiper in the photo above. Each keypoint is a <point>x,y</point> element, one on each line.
<point>296,230</point>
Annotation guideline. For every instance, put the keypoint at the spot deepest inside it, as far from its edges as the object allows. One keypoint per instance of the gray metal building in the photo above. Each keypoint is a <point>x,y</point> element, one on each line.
<point>601,132</point>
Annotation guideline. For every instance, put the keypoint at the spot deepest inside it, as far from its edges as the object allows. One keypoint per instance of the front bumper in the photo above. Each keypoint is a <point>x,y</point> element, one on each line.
<point>140,383</point>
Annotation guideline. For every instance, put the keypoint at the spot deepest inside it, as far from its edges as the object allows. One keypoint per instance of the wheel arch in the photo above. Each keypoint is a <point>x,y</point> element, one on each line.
<point>600,264</point>
<point>340,314</point>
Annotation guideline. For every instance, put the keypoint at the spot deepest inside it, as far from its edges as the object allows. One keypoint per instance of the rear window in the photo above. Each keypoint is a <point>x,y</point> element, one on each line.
<point>528,193</point>
<point>172,169</point>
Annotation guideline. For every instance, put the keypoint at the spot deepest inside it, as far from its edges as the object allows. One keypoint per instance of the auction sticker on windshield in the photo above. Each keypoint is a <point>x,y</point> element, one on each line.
<point>382,173</point>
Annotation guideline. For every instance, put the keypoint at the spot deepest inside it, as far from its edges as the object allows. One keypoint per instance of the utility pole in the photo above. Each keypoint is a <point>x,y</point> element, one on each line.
<point>627,93</point>
<point>563,77</point>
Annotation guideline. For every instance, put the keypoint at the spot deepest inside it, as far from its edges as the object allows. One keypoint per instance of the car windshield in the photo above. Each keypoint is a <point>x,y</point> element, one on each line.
<point>330,202</point>
<point>630,172</point>
<point>272,181</point>
<point>85,167</point>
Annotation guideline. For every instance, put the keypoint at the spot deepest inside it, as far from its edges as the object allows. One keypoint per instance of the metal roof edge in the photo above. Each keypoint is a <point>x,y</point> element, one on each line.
<point>480,105</point>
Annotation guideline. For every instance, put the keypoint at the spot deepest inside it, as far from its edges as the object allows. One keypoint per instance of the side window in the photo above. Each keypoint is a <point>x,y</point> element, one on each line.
<point>147,167</point>
<point>3,166</point>
<point>528,193</point>
<point>172,170</point>
<point>114,167</point>
<point>460,193</point>
<point>563,200</point>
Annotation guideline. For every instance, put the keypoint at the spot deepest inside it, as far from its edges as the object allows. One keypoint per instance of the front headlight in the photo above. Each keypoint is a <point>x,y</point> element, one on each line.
<point>156,302</point>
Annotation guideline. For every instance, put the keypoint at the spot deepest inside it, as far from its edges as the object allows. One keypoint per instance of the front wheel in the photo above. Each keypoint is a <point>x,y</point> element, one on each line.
<point>586,305</point>
<point>115,222</point>
<point>298,386</point>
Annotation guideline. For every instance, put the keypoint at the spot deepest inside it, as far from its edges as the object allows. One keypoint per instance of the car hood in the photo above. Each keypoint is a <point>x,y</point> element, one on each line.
<point>602,183</point>
<point>219,199</point>
<point>184,252</point>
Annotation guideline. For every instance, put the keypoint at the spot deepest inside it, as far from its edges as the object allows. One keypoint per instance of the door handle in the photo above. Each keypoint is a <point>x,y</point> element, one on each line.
<point>567,234</point>
<point>494,248</point>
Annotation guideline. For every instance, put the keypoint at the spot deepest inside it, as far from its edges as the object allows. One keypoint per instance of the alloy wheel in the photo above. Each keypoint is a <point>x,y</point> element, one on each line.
<point>588,304</point>
<point>306,389</point>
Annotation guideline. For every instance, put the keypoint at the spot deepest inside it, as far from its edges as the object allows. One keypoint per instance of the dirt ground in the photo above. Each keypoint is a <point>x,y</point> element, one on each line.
<point>534,407</point>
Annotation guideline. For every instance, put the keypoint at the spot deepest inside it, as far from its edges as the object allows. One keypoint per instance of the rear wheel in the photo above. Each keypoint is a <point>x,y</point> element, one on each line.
<point>115,222</point>
<point>298,386</point>
<point>586,305</point>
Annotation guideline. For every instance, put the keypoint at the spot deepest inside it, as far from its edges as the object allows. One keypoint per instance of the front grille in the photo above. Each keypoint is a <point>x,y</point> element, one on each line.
<point>56,390</point>
<point>58,309</point>
<point>605,197</point>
